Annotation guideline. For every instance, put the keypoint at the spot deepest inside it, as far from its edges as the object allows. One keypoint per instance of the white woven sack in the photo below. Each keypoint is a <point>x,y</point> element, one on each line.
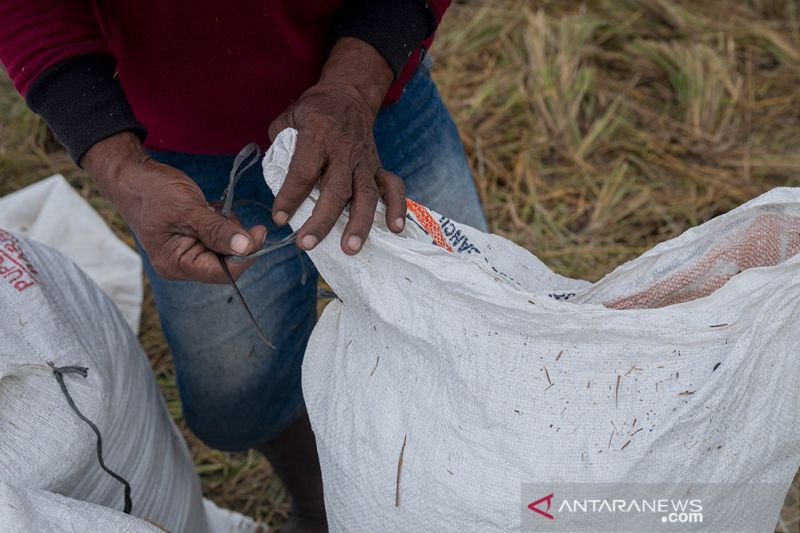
<point>459,348</point>
<point>35,510</point>
<point>53,313</point>
<point>51,212</point>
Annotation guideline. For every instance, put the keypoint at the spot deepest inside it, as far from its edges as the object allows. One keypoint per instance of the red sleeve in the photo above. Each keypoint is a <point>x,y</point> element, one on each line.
<point>37,34</point>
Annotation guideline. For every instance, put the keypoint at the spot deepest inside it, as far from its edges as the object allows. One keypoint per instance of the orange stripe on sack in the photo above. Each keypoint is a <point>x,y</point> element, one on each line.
<point>426,221</point>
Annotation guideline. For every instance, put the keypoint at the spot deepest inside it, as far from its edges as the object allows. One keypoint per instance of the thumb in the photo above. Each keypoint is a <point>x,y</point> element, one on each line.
<point>220,234</point>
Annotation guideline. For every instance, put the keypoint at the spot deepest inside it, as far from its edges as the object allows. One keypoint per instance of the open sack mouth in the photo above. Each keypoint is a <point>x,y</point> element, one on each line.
<point>450,374</point>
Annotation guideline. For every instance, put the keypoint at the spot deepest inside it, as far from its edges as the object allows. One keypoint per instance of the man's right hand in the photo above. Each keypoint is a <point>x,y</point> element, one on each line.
<point>168,212</point>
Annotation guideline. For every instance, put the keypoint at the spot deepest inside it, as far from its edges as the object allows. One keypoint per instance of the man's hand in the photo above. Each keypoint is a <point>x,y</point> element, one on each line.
<point>335,147</point>
<point>172,220</point>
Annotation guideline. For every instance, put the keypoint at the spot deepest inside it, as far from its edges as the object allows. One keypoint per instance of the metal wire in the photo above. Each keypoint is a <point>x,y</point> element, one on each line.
<point>248,157</point>
<point>266,248</point>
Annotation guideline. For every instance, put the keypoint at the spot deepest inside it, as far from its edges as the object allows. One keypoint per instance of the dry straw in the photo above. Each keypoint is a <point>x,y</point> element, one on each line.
<point>595,128</point>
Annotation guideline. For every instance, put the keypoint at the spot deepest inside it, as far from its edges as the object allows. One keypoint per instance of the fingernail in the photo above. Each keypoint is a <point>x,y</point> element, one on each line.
<point>309,242</point>
<point>354,242</point>
<point>281,217</point>
<point>239,244</point>
<point>399,223</point>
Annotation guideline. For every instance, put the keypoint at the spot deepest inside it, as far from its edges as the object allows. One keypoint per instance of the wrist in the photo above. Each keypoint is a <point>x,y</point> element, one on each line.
<point>358,65</point>
<point>113,164</point>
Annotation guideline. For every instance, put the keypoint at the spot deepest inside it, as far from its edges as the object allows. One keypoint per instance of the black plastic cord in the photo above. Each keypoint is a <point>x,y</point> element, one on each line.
<point>247,157</point>
<point>83,371</point>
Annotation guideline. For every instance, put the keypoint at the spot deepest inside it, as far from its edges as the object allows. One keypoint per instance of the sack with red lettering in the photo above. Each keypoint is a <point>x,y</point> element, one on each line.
<point>53,315</point>
<point>51,212</point>
<point>456,377</point>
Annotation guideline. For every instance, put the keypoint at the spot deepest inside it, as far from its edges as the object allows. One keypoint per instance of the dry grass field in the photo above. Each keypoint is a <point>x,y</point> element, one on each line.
<point>596,129</point>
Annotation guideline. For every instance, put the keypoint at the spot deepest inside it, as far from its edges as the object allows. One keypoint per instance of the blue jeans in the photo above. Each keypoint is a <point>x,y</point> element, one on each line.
<point>236,392</point>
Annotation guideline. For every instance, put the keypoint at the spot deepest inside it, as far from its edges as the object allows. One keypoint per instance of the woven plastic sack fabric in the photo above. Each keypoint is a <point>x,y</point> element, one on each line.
<point>33,510</point>
<point>489,371</point>
<point>51,212</point>
<point>53,313</point>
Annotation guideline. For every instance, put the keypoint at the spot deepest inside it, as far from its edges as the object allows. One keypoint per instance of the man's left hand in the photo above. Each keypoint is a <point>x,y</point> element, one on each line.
<point>335,148</point>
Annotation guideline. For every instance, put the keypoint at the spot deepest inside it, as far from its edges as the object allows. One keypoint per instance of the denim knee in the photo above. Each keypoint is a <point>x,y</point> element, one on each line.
<point>238,393</point>
<point>244,415</point>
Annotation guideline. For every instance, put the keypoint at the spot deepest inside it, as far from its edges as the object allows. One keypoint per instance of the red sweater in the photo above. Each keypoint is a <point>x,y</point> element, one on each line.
<point>201,76</point>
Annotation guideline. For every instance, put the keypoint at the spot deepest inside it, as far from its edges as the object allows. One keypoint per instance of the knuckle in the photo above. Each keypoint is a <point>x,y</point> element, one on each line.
<point>388,185</point>
<point>391,179</point>
<point>340,191</point>
<point>215,231</point>
<point>301,174</point>
<point>324,219</point>
<point>395,194</point>
<point>184,263</point>
<point>344,143</point>
<point>274,130</point>
<point>314,135</point>
<point>303,170</point>
<point>367,188</point>
<point>320,121</point>
<point>301,111</point>
<point>291,186</point>
<point>314,121</point>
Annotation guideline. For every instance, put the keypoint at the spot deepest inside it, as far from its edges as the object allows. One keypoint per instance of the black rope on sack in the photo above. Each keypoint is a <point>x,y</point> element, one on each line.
<point>248,157</point>
<point>83,371</point>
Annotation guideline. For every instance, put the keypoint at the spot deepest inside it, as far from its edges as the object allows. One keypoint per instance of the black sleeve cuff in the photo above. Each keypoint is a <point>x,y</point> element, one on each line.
<point>393,27</point>
<point>82,101</point>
